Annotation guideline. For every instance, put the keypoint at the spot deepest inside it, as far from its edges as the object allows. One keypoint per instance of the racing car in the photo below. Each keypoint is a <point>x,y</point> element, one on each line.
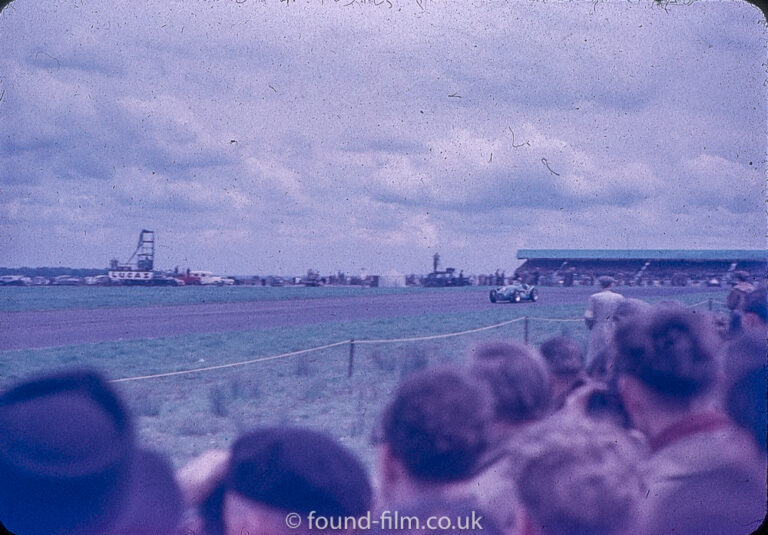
<point>514,293</point>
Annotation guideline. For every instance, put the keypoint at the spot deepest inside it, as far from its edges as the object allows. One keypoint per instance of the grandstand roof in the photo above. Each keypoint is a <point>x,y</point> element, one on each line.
<point>734,255</point>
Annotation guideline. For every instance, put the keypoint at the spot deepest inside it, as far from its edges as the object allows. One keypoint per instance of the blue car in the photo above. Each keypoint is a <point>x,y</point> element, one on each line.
<point>514,293</point>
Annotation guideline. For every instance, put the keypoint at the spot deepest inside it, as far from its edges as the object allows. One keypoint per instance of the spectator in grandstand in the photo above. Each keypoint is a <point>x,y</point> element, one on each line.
<point>565,360</point>
<point>432,435</point>
<point>580,480</point>
<point>272,472</point>
<point>599,318</point>
<point>735,300</point>
<point>69,463</point>
<point>667,371</point>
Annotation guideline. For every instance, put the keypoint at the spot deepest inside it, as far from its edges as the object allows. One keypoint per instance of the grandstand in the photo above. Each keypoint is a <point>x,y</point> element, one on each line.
<point>640,267</point>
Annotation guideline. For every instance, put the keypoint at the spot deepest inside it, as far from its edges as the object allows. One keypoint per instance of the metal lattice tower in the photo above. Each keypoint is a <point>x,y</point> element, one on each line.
<point>145,251</point>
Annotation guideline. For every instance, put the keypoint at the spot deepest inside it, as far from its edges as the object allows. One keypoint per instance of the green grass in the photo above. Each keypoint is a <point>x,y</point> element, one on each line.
<point>187,414</point>
<point>20,298</point>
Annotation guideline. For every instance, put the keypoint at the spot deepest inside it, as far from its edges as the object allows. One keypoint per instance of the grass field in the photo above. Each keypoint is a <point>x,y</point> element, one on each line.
<point>15,299</point>
<point>186,414</point>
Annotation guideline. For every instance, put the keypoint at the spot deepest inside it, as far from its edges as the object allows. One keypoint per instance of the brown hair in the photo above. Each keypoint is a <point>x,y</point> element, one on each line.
<point>437,424</point>
<point>670,351</point>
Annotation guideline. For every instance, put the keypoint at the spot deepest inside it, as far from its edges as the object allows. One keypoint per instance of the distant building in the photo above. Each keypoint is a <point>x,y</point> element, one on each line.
<point>636,267</point>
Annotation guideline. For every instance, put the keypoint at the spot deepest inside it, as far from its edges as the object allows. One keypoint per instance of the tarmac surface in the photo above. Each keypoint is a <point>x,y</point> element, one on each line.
<point>51,328</point>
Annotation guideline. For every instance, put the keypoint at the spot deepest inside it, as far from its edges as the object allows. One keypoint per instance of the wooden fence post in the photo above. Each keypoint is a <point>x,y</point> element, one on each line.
<point>526,330</point>
<point>351,357</point>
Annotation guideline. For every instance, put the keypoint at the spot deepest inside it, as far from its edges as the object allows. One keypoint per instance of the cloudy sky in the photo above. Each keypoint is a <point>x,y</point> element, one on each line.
<point>272,136</point>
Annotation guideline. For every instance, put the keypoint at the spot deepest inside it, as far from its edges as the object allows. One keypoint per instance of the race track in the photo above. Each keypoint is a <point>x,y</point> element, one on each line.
<point>50,328</point>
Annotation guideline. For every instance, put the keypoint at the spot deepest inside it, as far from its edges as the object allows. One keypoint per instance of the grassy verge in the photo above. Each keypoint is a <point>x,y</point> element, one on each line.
<point>16,299</point>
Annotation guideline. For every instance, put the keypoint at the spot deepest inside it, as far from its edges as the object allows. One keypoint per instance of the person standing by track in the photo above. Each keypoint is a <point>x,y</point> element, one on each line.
<point>600,321</point>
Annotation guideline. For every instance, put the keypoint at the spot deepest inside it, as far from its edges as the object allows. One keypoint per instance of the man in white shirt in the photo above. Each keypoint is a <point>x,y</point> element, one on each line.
<point>599,319</point>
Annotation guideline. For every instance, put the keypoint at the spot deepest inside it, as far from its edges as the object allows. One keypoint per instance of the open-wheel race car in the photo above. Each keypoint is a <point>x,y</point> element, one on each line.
<point>514,293</point>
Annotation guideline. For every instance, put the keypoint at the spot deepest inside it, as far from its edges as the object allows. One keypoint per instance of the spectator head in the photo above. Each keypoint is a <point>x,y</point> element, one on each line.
<point>666,366</point>
<point>605,281</point>
<point>68,463</point>
<point>563,356</point>
<point>518,380</point>
<point>630,307</point>
<point>565,361</point>
<point>581,481</point>
<point>755,309</point>
<point>434,431</point>
<point>500,350</point>
<point>155,503</point>
<point>741,276</point>
<point>274,471</point>
<point>743,353</point>
<point>670,352</point>
<point>602,366</point>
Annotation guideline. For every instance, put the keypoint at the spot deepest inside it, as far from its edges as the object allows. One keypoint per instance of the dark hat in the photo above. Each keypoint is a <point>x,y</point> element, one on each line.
<point>298,470</point>
<point>67,456</point>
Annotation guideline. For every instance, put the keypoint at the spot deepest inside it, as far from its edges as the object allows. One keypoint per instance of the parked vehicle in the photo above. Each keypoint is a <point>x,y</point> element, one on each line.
<point>441,279</point>
<point>207,278</point>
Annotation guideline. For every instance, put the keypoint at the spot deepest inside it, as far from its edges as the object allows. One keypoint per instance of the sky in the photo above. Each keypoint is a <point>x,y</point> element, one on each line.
<point>270,137</point>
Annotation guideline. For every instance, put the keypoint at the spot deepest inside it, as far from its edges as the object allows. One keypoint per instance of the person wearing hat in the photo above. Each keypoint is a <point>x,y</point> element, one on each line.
<point>599,318</point>
<point>277,480</point>
<point>69,463</point>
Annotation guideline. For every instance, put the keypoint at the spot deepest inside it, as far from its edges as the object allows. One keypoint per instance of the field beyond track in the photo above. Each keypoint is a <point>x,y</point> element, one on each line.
<point>131,333</point>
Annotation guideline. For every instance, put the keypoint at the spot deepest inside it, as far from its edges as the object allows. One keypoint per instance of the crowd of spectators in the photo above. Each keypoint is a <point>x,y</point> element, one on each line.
<point>667,435</point>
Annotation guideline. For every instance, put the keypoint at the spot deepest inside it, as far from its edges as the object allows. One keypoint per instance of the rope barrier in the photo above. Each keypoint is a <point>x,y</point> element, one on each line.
<point>435,336</point>
<point>319,348</point>
<point>556,319</point>
<point>707,301</point>
<point>230,365</point>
